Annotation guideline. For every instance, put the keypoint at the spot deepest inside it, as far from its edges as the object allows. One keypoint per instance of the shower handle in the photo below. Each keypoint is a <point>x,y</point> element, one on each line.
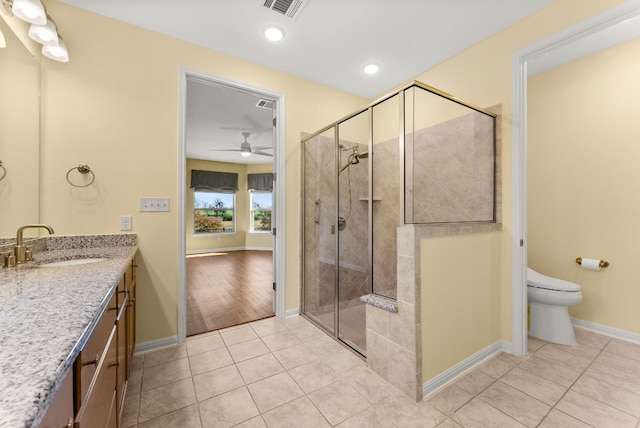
<point>316,220</point>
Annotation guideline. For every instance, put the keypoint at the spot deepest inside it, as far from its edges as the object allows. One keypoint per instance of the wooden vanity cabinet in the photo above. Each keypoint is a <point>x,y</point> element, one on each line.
<point>60,411</point>
<point>92,394</point>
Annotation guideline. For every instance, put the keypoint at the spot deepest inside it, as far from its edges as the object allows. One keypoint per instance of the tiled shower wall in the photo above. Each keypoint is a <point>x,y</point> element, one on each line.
<point>453,171</point>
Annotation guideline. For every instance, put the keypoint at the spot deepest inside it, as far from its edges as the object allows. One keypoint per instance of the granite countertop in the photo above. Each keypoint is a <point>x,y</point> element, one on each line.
<point>47,314</point>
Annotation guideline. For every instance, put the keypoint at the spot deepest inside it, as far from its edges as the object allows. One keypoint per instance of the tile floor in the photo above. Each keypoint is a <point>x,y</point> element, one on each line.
<point>287,373</point>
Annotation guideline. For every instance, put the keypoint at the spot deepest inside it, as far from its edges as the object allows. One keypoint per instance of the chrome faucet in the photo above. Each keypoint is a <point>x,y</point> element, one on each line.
<point>22,253</point>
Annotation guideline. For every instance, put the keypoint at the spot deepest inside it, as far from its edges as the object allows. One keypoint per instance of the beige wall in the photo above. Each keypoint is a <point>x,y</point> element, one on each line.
<point>241,238</point>
<point>583,157</point>
<point>461,306</point>
<point>115,106</point>
<point>482,75</point>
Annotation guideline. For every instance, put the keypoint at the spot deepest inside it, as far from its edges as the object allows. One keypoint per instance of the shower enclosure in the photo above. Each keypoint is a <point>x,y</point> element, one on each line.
<point>373,171</point>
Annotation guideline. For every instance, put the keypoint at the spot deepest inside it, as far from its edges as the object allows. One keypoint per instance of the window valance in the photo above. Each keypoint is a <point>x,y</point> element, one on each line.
<point>260,182</point>
<point>221,182</point>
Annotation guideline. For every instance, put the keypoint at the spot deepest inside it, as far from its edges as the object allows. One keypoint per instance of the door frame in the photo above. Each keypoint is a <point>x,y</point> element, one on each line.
<point>278,190</point>
<point>519,241</point>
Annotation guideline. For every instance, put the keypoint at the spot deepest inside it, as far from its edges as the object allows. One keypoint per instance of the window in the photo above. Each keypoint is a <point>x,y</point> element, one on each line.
<point>214,212</point>
<point>260,216</point>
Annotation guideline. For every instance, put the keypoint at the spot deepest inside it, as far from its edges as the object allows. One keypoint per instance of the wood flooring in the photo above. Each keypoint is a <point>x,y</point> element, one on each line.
<point>227,289</point>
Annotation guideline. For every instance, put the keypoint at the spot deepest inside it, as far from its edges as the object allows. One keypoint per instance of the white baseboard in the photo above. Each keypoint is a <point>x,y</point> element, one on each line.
<point>447,377</point>
<point>292,312</point>
<point>616,333</point>
<point>228,249</point>
<point>156,344</point>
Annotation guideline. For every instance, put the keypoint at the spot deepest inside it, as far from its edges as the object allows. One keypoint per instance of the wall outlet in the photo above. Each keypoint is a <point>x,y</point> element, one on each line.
<point>154,204</point>
<point>125,222</point>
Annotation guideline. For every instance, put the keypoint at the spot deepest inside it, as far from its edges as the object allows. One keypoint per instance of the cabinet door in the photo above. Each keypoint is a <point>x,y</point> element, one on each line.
<point>60,411</point>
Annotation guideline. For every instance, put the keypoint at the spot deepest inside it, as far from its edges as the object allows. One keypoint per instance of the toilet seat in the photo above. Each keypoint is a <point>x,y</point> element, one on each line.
<point>538,280</point>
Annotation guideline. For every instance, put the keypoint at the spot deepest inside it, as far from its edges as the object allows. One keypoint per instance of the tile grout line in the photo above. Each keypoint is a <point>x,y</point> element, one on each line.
<point>569,388</point>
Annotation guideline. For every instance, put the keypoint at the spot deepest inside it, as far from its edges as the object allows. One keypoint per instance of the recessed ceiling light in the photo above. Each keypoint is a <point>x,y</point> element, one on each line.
<point>273,33</point>
<point>371,68</point>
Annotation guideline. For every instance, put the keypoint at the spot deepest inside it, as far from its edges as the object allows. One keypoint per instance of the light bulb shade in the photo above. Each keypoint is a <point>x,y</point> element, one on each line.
<point>245,153</point>
<point>273,33</point>
<point>57,53</point>
<point>371,68</point>
<point>30,10</point>
<point>46,34</point>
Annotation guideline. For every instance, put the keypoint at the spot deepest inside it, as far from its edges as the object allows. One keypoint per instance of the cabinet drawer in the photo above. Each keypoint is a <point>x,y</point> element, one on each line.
<point>93,350</point>
<point>101,397</point>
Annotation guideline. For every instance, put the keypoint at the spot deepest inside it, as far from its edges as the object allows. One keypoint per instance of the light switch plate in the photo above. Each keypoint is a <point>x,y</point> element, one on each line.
<point>154,204</point>
<point>125,222</point>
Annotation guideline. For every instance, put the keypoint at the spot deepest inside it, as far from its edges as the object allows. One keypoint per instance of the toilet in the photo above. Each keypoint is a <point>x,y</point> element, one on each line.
<point>549,300</point>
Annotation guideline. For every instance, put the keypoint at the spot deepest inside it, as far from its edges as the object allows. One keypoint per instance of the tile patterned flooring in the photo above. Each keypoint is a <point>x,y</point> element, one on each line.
<point>288,373</point>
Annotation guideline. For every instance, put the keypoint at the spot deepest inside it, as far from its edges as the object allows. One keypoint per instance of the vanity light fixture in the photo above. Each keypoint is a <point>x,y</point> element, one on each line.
<point>46,34</point>
<point>56,52</point>
<point>30,10</point>
<point>3,42</point>
<point>372,68</point>
<point>274,33</point>
<point>43,30</point>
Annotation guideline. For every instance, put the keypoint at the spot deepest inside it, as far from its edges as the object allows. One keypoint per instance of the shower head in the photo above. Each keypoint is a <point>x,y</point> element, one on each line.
<point>354,159</point>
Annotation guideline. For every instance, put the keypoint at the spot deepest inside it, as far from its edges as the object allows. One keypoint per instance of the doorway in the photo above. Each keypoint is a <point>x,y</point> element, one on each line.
<point>231,259</point>
<point>580,40</point>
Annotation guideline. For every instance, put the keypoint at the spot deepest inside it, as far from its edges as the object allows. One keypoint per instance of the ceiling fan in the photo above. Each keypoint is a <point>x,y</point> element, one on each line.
<point>246,149</point>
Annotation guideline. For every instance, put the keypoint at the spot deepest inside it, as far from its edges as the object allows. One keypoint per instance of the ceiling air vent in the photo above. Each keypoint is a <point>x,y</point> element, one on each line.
<point>290,8</point>
<point>265,104</point>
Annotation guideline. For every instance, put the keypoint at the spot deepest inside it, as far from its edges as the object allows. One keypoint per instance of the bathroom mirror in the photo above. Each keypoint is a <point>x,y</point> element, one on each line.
<point>19,135</point>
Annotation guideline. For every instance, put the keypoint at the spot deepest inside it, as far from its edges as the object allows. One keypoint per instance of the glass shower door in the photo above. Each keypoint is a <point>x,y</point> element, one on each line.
<point>353,230</point>
<point>319,239</point>
<point>336,244</point>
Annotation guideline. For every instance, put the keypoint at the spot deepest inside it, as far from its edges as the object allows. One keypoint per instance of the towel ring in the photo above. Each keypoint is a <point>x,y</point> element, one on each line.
<point>4,171</point>
<point>82,169</point>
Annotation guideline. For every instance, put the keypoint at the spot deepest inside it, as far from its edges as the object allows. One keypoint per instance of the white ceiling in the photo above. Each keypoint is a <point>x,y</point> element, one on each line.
<point>331,39</point>
<point>328,43</point>
<point>217,116</point>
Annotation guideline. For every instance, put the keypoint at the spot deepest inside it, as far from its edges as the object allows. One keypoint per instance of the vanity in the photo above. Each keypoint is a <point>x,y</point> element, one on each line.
<point>68,332</point>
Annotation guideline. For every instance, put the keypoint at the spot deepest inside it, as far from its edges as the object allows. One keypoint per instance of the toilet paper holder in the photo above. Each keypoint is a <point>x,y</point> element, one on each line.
<point>603,263</point>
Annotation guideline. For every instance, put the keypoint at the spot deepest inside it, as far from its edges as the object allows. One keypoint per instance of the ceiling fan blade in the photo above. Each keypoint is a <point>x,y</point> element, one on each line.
<point>262,154</point>
<point>261,147</point>
<point>225,150</point>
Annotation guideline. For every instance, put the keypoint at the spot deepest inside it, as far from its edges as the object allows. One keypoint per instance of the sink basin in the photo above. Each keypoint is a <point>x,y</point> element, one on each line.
<point>73,262</point>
